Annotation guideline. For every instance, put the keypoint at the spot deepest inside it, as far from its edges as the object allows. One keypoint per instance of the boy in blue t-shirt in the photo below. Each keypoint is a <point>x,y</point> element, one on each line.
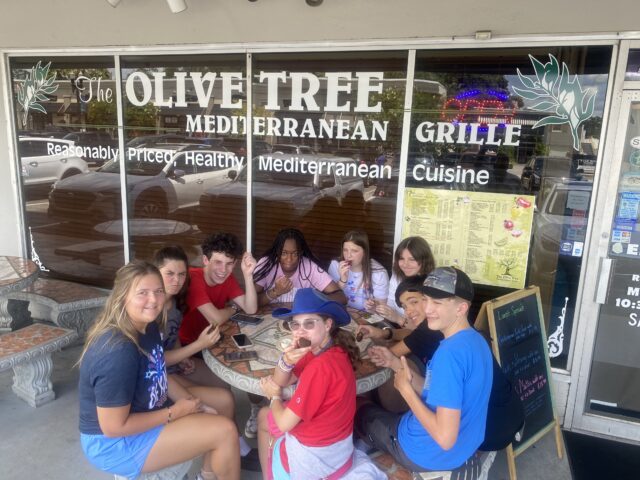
<point>448,409</point>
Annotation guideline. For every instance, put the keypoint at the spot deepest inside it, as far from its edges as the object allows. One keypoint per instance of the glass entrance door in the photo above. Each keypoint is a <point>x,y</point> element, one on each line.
<point>608,400</point>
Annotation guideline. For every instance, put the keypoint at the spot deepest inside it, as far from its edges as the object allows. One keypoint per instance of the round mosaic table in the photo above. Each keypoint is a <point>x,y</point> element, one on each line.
<point>16,273</point>
<point>267,338</point>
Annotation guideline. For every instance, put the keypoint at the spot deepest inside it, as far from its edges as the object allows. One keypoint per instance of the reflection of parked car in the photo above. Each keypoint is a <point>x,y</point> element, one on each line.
<point>46,160</point>
<point>155,189</point>
<point>418,158</point>
<point>239,146</point>
<point>539,167</point>
<point>50,133</point>
<point>560,224</point>
<point>279,198</point>
<point>160,141</point>
<point>293,149</point>
<point>93,139</point>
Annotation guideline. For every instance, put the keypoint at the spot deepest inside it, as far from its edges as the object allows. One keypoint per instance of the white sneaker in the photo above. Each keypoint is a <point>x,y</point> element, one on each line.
<point>251,428</point>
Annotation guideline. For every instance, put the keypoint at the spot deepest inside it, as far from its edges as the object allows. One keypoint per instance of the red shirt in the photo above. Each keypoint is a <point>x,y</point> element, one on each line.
<point>325,398</point>
<point>200,294</point>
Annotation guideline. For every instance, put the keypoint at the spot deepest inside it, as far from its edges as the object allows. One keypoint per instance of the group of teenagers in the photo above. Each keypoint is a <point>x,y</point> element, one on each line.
<point>148,401</point>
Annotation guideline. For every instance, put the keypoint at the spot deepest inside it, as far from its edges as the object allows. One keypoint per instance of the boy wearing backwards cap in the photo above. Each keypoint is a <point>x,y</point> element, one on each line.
<point>448,409</point>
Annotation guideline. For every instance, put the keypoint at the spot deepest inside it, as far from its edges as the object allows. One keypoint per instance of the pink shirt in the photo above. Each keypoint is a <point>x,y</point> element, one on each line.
<point>308,275</point>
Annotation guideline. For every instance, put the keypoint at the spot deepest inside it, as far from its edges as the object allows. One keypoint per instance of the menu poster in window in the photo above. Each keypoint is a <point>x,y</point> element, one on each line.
<point>485,234</point>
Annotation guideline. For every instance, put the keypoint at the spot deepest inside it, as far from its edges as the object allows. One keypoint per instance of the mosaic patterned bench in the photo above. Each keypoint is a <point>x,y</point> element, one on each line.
<point>174,472</point>
<point>388,465</point>
<point>72,305</point>
<point>28,351</point>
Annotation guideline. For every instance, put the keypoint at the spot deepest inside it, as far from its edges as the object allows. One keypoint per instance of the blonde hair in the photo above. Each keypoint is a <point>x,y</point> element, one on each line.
<point>114,316</point>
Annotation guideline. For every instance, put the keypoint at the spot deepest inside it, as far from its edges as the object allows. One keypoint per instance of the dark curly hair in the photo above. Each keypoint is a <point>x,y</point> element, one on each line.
<point>273,256</point>
<point>226,243</point>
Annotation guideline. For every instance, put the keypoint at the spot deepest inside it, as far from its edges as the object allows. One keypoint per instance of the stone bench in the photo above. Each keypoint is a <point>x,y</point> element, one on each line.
<point>72,305</point>
<point>28,352</point>
<point>174,472</point>
<point>388,465</point>
<point>89,251</point>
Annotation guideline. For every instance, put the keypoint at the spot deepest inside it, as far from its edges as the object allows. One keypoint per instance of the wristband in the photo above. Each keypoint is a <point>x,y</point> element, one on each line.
<point>283,365</point>
<point>275,397</point>
<point>169,416</point>
<point>389,333</point>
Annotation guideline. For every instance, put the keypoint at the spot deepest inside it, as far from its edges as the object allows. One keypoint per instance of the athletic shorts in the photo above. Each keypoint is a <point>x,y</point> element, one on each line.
<point>379,429</point>
<point>123,456</point>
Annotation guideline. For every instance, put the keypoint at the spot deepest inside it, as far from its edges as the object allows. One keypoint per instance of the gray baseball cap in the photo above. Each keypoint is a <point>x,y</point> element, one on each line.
<point>444,282</point>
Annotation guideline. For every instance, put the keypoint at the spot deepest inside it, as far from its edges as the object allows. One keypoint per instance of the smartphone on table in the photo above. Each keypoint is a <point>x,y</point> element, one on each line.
<point>241,340</point>
<point>240,356</point>
<point>244,318</point>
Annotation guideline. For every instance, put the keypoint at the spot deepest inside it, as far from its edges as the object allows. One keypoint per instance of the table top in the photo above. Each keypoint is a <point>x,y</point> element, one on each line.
<point>16,273</point>
<point>144,227</point>
<point>269,338</point>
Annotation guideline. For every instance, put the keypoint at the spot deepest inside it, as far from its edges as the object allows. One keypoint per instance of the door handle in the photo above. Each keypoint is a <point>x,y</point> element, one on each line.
<point>603,280</point>
<point>33,164</point>
<point>200,181</point>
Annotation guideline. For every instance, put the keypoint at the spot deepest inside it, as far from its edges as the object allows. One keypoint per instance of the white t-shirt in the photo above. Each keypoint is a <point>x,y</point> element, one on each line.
<point>354,289</point>
<point>391,300</point>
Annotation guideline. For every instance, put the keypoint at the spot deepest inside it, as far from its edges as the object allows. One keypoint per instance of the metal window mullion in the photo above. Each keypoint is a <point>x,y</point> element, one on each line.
<point>249,159</point>
<point>404,146</point>
<point>5,72</point>
<point>121,157</point>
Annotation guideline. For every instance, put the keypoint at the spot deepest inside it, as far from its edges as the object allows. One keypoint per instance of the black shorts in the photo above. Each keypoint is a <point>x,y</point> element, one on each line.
<point>379,428</point>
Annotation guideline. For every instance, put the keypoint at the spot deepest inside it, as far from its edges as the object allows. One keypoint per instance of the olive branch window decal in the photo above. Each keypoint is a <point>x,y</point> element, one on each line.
<point>555,91</point>
<point>35,89</point>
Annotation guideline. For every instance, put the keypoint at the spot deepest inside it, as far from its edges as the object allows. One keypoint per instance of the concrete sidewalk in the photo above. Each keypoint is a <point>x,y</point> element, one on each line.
<point>44,442</point>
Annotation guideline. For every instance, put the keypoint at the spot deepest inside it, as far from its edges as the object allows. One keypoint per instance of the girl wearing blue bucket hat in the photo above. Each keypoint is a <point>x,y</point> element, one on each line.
<point>310,436</point>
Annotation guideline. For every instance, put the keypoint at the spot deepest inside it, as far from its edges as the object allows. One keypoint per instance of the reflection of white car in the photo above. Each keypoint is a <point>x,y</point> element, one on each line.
<point>44,160</point>
<point>159,183</point>
<point>560,224</point>
<point>279,198</point>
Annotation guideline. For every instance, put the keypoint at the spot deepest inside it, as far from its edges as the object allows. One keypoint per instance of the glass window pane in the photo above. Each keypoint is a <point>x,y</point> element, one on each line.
<point>633,66</point>
<point>615,371</point>
<point>179,154</point>
<point>501,161</point>
<point>66,122</point>
<point>330,124</point>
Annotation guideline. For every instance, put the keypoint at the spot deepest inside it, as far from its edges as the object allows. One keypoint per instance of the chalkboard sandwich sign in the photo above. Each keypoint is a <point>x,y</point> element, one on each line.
<point>518,340</point>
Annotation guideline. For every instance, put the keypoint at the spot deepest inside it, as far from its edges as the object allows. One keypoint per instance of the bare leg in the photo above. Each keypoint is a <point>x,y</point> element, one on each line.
<point>194,435</point>
<point>264,440</point>
<point>219,398</point>
<point>202,375</point>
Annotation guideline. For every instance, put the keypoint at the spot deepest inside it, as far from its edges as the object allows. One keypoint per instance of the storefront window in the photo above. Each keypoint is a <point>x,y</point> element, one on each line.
<point>66,130</point>
<point>183,117</point>
<point>326,141</point>
<point>500,170</point>
<point>633,66</point>
<point>615,370</point>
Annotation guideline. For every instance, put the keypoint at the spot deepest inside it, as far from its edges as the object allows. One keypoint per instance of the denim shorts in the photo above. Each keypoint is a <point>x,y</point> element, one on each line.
<point>123,456</point>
